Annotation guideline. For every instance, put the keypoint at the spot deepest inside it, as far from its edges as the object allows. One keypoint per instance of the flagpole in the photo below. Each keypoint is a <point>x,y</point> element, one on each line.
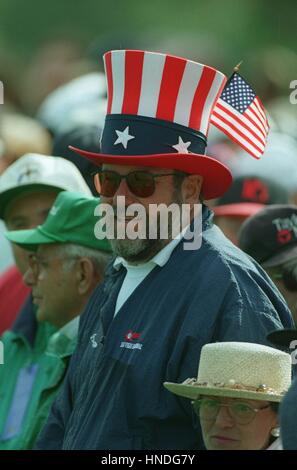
<point>236,68</point>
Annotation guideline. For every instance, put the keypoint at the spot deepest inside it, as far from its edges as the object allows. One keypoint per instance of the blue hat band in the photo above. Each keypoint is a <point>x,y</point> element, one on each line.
<point>139,135</point>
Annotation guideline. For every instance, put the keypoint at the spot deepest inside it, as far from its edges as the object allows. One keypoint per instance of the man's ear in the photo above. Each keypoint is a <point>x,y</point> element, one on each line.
<point>191,189</point>
<point>85,275</point>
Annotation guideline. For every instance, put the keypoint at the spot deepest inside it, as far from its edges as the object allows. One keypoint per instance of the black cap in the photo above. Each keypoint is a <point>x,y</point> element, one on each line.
<point>270,236</point>
<point>248,194</point>
<point>88,136</point>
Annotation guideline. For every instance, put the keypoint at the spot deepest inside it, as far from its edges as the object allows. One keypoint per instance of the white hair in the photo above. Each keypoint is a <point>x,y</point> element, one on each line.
<point>72,252</point>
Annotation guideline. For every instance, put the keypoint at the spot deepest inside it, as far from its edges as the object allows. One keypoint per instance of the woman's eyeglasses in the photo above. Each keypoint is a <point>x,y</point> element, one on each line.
<point>140,183</point>
<point>208,408</point>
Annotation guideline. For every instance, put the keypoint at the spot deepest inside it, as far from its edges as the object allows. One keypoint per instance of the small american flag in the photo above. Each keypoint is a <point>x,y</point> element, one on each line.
<point>239,113</point>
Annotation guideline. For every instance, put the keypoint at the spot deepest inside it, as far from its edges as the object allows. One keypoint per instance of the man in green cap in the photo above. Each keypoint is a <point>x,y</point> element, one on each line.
<point>67,261</point>
<point>28,189</point>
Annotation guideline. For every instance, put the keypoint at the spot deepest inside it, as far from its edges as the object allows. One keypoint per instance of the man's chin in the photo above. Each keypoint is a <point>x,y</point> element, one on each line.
<point>136,251</point>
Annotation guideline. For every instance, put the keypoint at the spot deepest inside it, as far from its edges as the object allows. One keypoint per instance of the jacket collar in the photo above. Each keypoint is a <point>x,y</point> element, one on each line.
<point>26,324</point>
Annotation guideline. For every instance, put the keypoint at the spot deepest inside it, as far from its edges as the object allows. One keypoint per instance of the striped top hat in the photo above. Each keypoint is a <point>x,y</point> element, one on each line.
<point>158,115</point>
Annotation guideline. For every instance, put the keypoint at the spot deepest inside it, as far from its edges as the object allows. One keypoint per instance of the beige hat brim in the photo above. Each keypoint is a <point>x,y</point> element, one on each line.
<point>194,391</point>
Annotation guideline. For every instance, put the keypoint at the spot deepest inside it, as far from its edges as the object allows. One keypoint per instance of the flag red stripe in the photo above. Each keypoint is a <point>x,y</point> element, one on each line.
<point>261,107</point>
<point>252,126</point>
<point>201,93</point>
<point>133,78</point>
<point>260,118</point>
<point>170,84</point>
<point>249,128</point>
<point>254,122</point>
<point>108,73</point>
<point>241,134</point>
<point>261,114</point>
<point>260,104</point>
<point>239,142</point>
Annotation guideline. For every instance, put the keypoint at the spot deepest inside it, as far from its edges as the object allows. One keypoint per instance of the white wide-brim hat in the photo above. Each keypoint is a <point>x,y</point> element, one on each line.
<point>238,370</point>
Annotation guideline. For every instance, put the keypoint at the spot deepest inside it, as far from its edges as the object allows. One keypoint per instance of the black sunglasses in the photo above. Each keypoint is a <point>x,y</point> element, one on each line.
<point>140,183</point>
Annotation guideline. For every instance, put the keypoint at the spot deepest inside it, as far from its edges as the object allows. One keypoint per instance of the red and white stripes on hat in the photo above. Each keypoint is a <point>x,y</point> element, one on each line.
<point>162,86</point>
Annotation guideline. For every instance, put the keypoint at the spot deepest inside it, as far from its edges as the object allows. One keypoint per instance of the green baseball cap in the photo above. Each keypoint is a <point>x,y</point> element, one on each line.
<point>70,220</point>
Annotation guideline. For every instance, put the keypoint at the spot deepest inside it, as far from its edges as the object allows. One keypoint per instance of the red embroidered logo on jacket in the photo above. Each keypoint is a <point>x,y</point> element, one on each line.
<point>255,190</point>
<point>131,335</point>
<point>130,341</point>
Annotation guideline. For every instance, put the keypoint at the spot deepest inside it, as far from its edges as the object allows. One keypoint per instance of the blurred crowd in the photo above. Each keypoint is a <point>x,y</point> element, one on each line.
<point>62,101</point>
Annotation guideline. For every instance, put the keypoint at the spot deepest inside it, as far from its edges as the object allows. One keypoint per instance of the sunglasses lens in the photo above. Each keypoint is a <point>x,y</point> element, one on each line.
<point>141,183</point>
<point>107,183</point>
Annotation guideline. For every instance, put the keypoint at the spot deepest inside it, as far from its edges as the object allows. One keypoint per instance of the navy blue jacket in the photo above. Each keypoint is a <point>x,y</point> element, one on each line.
<point>113,397</point>
<point>288,418</point>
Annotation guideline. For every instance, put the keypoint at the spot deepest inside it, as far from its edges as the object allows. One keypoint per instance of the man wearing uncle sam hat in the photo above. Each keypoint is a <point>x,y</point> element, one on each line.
<point>162,298</point>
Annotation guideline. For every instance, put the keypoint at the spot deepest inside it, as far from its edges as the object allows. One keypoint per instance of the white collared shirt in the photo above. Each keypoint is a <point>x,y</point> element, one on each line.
<point>276,445</point>
<point>136,273</point>
<point>70,329</point>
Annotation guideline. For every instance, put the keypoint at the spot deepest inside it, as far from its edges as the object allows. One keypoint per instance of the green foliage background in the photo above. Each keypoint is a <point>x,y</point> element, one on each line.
<point>242,24</point>
<point>216,32</point>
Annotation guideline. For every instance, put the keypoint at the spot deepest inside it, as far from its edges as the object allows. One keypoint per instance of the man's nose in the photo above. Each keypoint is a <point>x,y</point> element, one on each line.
<point>29,278</point>
<point>123,190</point>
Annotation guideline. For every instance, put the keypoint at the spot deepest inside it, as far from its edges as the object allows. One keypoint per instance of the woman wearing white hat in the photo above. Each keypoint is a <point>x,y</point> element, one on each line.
<point>236,395</point>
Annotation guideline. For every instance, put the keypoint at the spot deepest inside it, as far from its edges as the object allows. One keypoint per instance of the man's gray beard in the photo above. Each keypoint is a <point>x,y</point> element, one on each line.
<point>137,250</point>
<point>142,250</point>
